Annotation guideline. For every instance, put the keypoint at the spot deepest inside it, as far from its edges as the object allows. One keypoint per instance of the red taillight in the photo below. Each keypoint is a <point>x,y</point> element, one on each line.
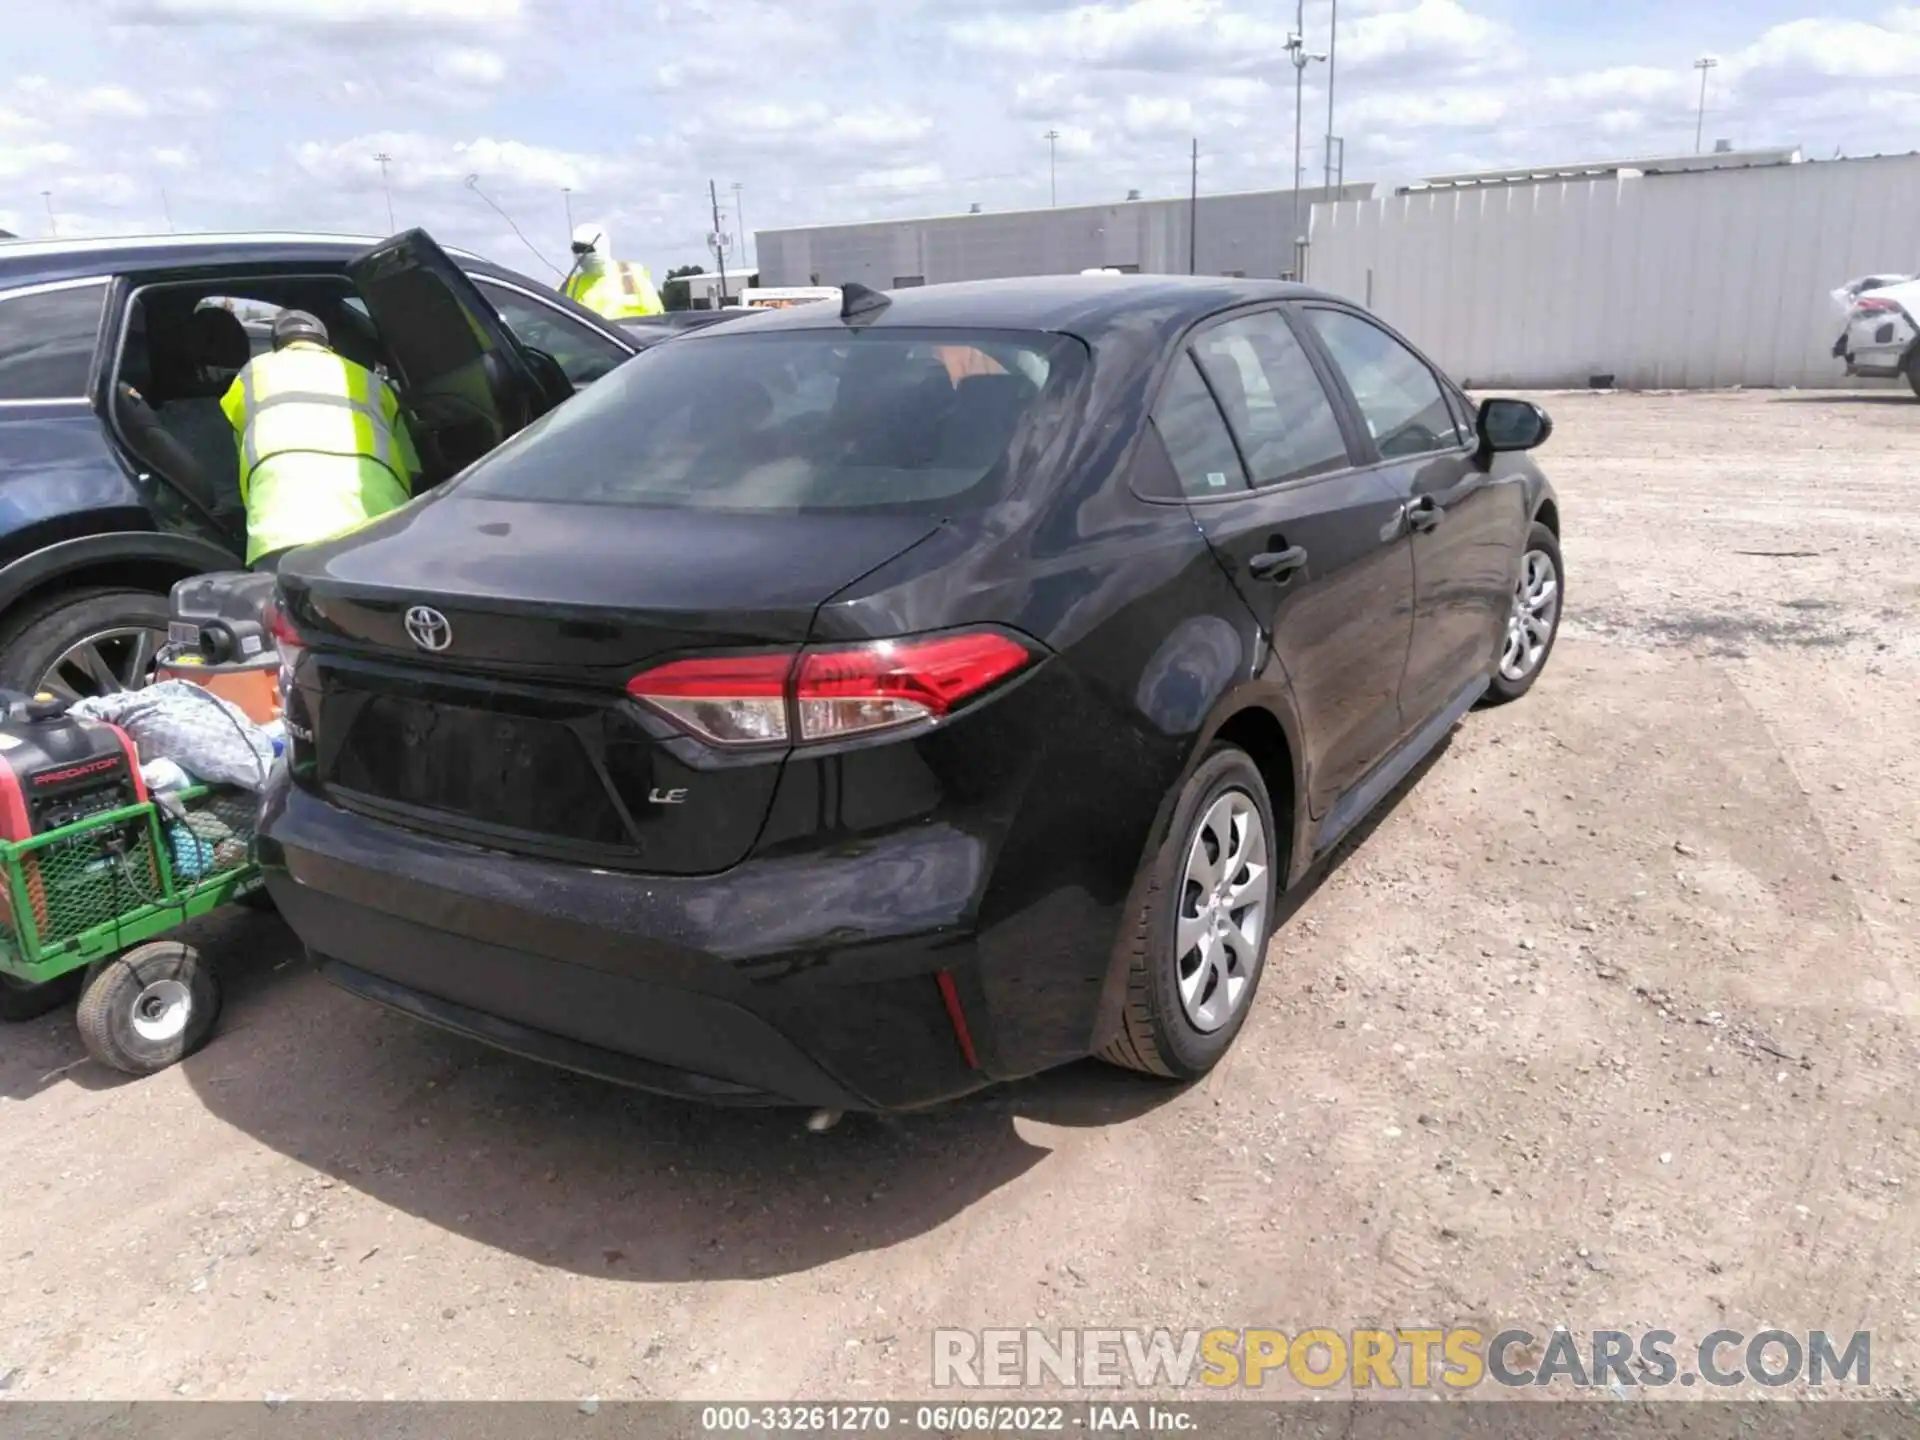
<point>1869,305</point>
<point>286,639</point>
<point>728,699</point>
<point>896,682</point>
<point>834,692</point>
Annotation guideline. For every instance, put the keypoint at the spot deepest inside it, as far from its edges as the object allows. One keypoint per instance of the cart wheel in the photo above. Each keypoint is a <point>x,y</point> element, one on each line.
<point>258,900</point>
<point>150,1007</point>
<point>22,1000</point>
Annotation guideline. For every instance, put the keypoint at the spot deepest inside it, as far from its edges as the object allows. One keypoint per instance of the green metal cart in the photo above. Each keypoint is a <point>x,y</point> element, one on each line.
<point>85,907</point>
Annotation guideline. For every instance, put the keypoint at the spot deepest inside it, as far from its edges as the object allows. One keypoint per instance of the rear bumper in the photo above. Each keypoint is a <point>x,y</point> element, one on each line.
<point>809,979</point>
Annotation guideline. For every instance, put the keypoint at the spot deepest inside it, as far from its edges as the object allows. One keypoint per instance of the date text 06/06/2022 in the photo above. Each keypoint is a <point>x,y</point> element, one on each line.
<point>945,1419</point>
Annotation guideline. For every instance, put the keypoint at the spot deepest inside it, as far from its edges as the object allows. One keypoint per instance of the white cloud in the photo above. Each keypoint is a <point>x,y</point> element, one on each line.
<point>424,162</point>
<point>18,161</point>
<point>1834,49</point>
<point>471,66</point>
<point>462,14</point>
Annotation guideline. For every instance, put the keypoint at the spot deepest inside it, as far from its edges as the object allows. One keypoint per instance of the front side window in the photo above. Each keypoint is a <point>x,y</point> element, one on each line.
<point>47,340</point>
<point>1405,409</point>
<point>1273,398</point>
<point>584,355</point>
<point>797,420</point>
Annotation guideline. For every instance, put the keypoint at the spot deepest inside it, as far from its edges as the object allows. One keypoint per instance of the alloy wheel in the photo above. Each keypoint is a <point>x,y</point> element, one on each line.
<point>105,663</point>
<point>1536,605</point>
<point>1223,911</point>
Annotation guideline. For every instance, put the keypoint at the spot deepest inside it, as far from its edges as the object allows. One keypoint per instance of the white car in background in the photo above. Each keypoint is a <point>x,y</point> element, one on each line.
<point>1881,338</point>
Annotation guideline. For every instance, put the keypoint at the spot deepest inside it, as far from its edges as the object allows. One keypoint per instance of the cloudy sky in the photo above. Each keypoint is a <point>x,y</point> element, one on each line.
<point>247,114</point>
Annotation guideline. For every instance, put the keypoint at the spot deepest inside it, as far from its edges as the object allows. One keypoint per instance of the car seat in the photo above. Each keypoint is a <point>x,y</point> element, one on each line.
<point>159,450</point>
<point>980,423</point>
<point>217,347</point>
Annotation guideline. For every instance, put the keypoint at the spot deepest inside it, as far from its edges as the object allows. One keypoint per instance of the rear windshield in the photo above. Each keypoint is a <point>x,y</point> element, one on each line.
<point>793,420</point>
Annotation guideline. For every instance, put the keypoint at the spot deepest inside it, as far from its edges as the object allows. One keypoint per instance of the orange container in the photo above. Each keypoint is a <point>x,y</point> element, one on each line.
<point>253,685</point>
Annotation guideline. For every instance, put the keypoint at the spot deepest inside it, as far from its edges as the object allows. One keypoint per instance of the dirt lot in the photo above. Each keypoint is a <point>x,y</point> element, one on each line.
<point>1610,1020</point>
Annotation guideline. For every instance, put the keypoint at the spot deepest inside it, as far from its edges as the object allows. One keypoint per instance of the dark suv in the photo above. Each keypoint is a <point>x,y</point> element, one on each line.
<point>118,471</point>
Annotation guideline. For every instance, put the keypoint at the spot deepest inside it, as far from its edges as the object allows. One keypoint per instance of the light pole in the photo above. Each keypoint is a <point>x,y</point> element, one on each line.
<point>1297,53</point>
<point>1333,35</point>
<point>566,200</point>
<point>53,226</point>
<point>385,189</point>
<point>740,220</point>
<point>1052,137</point>
<point>1703,65</point>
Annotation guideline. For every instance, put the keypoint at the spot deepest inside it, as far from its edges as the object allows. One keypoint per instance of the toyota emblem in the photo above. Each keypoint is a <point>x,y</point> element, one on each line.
<point>428,628</point>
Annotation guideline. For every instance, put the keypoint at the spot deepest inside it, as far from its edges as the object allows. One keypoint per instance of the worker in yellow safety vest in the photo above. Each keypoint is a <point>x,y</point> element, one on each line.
<point>617,289</point>
<point>323,445</point>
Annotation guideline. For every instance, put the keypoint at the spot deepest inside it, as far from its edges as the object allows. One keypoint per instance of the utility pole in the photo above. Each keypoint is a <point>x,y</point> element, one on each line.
<point>1703,65</point>
<point>719,239</point>
<point>1052,138</point>
<point>566,200</point>
<point>53,226</point>
<point>1193,211</point>
<point>1297,53</point>
<point>166,209</point>
<point>386,159</point>
<point>740,219</point>
<point>1333,36</point>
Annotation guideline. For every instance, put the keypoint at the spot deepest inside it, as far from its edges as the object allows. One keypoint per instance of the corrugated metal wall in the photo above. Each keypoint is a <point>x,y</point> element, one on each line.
<point>1247,233</point>
<point>1682,281</point>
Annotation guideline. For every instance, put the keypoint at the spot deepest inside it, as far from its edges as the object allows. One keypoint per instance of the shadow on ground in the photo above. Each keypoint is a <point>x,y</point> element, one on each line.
<point>584,1176</point>
<point>1902,396</point>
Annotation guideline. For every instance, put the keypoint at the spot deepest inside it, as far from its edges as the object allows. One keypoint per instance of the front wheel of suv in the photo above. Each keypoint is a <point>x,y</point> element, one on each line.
<point>85,642</point>
<point>1198,939</point>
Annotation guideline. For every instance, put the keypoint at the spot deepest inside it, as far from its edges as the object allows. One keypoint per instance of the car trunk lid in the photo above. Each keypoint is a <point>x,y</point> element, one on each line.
<point>485,699</point>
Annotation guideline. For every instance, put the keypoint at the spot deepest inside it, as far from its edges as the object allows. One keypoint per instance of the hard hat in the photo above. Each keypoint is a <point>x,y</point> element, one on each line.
<point>292,325</point>
<point>590,239</point>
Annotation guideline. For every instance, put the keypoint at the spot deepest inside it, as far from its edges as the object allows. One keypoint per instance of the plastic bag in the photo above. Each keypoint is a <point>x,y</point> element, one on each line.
<point>210,738</point>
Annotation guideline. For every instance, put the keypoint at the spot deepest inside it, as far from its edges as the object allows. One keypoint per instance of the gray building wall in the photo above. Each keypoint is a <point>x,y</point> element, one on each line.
<point>1660,280</point>
<point>1250,233</point>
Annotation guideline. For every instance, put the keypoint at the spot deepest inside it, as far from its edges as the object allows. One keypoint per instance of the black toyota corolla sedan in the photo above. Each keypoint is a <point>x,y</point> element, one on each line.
<point>858,704</point>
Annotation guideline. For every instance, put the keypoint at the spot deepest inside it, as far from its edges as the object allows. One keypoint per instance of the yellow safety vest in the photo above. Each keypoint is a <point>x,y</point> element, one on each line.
<point>619,290</point>
<point>323,447</point>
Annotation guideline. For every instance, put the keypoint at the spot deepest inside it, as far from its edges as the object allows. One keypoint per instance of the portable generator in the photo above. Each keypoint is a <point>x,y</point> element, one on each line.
<point>217,638</point>
<point>55,770</point>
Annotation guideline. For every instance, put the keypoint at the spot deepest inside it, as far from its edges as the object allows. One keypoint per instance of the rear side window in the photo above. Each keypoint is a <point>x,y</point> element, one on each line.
<point>795,420</point>
<point>1196,436</point>
<point>1273,398</point>
<point>46,343</point>
<point>1401,401</point>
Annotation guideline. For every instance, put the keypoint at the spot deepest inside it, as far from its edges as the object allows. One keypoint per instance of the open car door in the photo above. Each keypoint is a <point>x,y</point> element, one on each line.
<point>467,384</point>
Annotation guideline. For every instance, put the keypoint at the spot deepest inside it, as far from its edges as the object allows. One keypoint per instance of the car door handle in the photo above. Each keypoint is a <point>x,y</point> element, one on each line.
<point>1424,514</point>
<point>1277,564</point>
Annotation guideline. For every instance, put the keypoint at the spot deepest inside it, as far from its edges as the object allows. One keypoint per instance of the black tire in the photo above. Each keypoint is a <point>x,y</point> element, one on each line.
<point>1913,370</point>
<point>1503,689</point>
<point>257,900</point>
<point>33,640</point>
<point>1158,1037</point>
<point>112,1008</point>
<point>21,1000</point>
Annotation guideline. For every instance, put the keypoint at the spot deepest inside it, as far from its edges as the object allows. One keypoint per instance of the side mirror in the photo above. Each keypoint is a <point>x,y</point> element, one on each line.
<point>1511,425</point>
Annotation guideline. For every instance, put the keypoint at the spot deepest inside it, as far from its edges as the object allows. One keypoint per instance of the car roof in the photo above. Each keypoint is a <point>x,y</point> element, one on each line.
<point>40,262</point>
<point>1088,306</point>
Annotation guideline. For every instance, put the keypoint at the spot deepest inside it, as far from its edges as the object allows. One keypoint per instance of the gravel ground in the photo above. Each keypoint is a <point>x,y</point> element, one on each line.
<point>1608,1020</point>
